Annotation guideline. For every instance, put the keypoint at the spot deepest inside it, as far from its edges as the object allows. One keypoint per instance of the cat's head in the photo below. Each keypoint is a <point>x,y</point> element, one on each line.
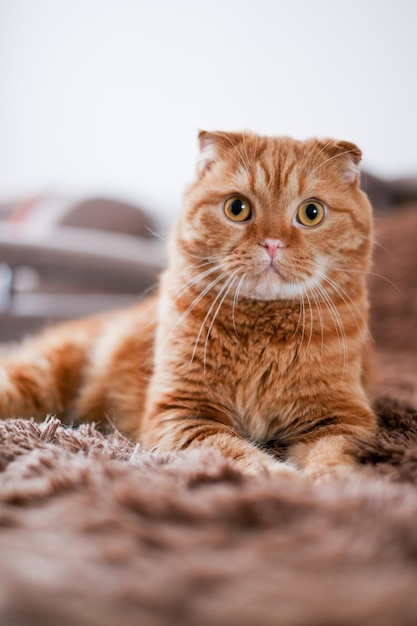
<point>277,215</point>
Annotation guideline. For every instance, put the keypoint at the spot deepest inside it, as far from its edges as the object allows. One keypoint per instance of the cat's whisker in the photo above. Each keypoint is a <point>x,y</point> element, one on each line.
<point>194,303</point>
<point>308,153</point>
<point>311,320</point>
<point>210,259</point>
<point>317,153</point>
<point>334,156</point>
<point>226,288</point>
<point>238,161</point>
<point>324,148</point>
<point>245,164</point>
<point>156,234</point>
<point>245,148</point>
<point>194,280</point>
<point>197,300</point>
<point>301,316</point>
<point>366,273</point>
<point>190,283</point>
<point>219,294</point>
<point>198,266</point>
<point>383,248</point>
<point>235,301</point>
<point>349,303</point>
<point>144,313</point>
<point>202,293</point>
<point>191,269</point>
<point>305,296</point>
<point>320,314</point>
<point>299,313</point>
<point>337,322</point>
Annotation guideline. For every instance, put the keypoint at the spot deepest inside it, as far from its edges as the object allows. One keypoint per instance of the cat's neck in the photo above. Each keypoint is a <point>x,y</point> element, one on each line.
<point>284,318</point>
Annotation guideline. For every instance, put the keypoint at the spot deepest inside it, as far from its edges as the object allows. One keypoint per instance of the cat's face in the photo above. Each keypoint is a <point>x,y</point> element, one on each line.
<point>277,217</point>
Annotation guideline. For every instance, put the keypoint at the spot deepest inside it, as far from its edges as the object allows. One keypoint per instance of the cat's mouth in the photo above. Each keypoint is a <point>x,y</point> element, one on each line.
<point>272,281</point>
<point>272,268</point>
<point>269,280</point>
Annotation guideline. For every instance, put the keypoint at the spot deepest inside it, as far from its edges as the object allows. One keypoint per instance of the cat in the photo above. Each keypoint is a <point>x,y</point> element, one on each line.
<point>257,336</point>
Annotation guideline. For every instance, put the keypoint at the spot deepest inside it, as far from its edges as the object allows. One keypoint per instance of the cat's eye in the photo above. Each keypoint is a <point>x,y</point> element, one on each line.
<point>238,209</point>
<point>311,213</point>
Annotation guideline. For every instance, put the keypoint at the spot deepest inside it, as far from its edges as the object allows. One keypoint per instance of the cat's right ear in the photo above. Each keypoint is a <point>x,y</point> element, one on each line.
<point>215,146</point>
<point>207,154</point>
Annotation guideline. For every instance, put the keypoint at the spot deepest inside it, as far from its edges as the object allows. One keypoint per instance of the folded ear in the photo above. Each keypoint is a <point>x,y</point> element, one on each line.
<point>346,157</point>
<point>207,155</point>
<point>212,146</point>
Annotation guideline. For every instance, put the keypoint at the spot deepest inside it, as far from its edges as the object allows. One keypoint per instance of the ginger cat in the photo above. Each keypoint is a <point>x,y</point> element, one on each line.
<point>258,332</point>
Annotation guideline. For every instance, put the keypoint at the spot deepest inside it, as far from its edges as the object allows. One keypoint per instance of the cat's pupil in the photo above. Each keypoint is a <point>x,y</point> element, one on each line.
<point>311,212</point>
<point>237,207</point>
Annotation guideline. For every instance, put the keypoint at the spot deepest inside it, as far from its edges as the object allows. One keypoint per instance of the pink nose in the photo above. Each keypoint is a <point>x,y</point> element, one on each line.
<point>272,246</point>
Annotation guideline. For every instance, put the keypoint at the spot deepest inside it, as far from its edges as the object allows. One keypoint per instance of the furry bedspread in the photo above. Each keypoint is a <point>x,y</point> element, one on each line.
<point>96,532</point>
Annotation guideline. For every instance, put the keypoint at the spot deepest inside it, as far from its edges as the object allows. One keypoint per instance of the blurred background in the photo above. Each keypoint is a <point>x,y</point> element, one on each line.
<point>101,100</point>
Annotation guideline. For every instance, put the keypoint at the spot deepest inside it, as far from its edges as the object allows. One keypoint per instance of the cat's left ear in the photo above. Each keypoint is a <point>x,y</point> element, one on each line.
<point>347,157</point>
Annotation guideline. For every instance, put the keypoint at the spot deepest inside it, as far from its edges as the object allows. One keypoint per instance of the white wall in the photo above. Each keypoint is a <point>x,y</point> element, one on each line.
<point>106,95</point>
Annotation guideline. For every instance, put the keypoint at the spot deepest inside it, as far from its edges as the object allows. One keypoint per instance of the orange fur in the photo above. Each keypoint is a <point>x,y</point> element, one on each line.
<point>258,333</point>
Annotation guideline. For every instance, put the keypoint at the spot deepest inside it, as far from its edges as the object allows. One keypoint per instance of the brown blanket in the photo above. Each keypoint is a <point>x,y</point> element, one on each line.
<point>95,532</point>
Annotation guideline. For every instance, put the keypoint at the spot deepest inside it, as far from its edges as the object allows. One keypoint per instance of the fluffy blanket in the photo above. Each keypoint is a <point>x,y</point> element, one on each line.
<point>96,532</point>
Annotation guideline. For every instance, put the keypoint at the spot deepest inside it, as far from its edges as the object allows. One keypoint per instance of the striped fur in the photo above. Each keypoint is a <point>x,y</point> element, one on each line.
<point>238,348</point>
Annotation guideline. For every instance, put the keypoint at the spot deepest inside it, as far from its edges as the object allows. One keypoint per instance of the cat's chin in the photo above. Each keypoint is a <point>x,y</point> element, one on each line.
<point>271,286</point>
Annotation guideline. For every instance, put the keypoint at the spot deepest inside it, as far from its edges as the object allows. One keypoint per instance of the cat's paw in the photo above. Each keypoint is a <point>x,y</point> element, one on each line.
<point>325,473</point>
<point>286,470</point>
<point>273,468</point>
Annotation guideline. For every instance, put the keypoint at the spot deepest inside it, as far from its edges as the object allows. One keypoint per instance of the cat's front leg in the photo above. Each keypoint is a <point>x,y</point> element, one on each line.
<point>330,448</point>
<point>175,430</point>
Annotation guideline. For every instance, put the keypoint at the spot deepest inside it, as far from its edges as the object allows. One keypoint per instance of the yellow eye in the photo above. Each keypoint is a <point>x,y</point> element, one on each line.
<point>310,213</point>
<point>238,209</point>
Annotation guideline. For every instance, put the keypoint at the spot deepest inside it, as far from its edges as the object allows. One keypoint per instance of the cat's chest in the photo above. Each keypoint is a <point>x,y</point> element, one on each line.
<point>255,377</point>
<point>244,363</point>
